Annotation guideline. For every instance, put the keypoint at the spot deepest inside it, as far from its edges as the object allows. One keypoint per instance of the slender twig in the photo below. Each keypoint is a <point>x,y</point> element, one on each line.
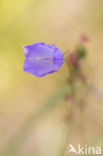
<point>66,52</point>
<point>72,89</point>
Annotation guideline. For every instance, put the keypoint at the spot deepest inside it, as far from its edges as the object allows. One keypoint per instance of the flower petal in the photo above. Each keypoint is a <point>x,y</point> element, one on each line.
<point>42,59</point>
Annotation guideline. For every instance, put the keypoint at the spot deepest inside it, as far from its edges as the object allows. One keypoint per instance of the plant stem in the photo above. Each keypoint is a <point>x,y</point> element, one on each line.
<point>69,122</point>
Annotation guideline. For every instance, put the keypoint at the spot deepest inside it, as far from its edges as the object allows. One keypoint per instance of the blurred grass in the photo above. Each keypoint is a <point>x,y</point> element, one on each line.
<point>15,143</point>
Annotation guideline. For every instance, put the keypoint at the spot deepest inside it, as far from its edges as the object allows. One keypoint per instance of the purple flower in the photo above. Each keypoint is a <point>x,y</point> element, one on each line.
<point>42,59</point>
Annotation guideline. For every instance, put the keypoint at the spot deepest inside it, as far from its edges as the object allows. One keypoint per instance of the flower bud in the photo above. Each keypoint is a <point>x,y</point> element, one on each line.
<point>81,52</point>
<point>73,59</point>
<point>68,97</point>
<point>84,38</point>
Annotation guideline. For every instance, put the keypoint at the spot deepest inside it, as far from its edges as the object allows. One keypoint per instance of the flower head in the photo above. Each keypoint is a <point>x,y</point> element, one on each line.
<point>84,38</point>
<point>42,59</point>
<point>73,59</point>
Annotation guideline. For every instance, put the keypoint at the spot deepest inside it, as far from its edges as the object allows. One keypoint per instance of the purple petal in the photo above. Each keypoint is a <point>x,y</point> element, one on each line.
<point>42,59</point>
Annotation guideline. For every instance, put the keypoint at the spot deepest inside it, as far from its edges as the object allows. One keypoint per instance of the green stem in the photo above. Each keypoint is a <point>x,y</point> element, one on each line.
<point>65,52</point>
<point>72,90</point>
<point>72,83</point>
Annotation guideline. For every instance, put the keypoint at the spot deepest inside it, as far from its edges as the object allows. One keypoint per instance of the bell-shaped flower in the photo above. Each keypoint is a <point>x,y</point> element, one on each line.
<point>42,59</point>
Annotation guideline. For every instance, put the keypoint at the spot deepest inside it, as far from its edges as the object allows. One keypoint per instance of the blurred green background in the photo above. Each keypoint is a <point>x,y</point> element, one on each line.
<point>59,22</point>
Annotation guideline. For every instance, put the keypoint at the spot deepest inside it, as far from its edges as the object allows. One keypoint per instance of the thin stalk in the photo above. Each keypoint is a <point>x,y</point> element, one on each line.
<point>69,122</point>
<point>65,52</point>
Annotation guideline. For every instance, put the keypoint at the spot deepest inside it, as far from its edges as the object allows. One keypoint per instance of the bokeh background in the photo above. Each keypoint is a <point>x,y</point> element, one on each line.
<point>59,22</point>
